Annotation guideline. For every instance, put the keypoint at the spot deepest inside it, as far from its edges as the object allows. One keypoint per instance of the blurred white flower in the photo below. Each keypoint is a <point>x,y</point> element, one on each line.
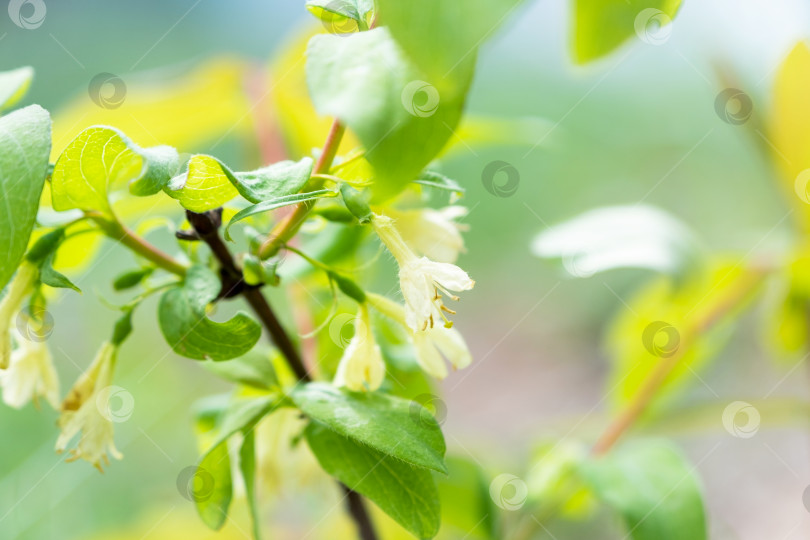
<point>433,346</point>
<point>362,367</point>
<point>82,412</point>
<point>432,233</point>
<point>21,285</point>
<point>421,280</point>
<point>30,375</point>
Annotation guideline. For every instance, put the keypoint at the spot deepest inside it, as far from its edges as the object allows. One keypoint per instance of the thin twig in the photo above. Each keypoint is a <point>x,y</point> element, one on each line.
<point>287,228</point>
<point>650,387</point>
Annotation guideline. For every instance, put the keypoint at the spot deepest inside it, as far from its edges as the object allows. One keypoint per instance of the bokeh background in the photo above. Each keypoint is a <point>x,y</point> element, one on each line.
<point>639,125</point>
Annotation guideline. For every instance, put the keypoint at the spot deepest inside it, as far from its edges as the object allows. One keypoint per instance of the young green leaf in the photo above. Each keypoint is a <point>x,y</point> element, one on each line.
<point>52,278</point>
<point>241,414</point>
<point>25,144</point>
<point>336,12</point>
<point>14,84</point>
<point>247,466</point>
<point>277,180</point>
<point>42,255</point>
<point>437,180</point>
<point>396,427</point>
<point>131,278</point>
<point>101,158</point>
<point>402,116</point>
<point>182,318</point>
<point>208,183</point>
<point>405,493</point>
<point>272,204</point>
<point>600,26</point>
<point>213,503</point>
<point>204,185</point>
<point>654,490</point>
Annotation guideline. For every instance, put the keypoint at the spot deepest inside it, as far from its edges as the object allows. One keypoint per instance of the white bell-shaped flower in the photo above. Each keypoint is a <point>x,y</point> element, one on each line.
<point>361,367</point>
<point>421,280</point>
<point>30,374</point>
<point>432,233</point>
<point>21,286</point>
<point>83,412</point>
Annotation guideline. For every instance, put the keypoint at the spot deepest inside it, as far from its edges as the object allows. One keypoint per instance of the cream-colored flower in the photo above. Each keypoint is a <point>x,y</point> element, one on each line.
<point>421,280</point>
<point>30,375</point>
<point>433,346</point>
<point>82,412</point>
<point>361,367</point>
<point>21,286</point>
<point>432,233</point>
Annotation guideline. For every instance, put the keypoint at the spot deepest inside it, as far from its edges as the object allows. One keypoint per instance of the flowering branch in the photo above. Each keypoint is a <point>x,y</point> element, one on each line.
<point>207,228</point>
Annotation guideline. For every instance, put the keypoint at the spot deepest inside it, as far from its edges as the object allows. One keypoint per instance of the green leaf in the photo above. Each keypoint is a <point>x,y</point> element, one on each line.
<point>45,246</point>
<point>213,503</point>
<point>402,116</point>
<point>131,278</point>
<point>396,427</point>
<point>336,13</point>
<point>620,237</point>
<point>101,158</point>
<point>161,163</point>
<point>405,493</point>
<point>123,328</point>
<point>14,84</point>
<point>255,369</point>
<point>182,318</point>
<point>25,145</point>
<point>653,489</point>
<point>241,414</point>
<point>42,255</point>
<point>52,278</point>
<point>272,204</point>
<point>439,181</point>
<point>465,500</point>
<point>247,466</point>
<point>600,26</point>
<point>442,38</point>
<point>204,185</point>
<point>208,183</point>
<point>274,181</point>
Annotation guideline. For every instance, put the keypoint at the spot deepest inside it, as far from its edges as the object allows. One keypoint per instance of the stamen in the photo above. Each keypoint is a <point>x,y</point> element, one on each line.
<point>447,309</point>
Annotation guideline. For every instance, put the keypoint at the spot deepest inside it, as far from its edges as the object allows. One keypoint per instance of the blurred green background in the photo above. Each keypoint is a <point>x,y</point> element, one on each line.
<point>637,126</point>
